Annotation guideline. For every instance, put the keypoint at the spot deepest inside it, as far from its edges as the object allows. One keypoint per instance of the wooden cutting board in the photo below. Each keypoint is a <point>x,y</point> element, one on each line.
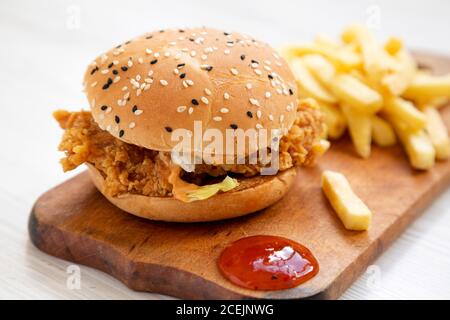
<point>74,222</point>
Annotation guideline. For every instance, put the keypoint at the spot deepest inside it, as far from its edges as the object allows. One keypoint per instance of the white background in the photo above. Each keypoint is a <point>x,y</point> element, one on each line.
<point>45,47</point>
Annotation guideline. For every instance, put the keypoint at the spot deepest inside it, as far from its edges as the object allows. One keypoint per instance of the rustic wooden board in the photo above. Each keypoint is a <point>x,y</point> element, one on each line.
<point>74,222</point>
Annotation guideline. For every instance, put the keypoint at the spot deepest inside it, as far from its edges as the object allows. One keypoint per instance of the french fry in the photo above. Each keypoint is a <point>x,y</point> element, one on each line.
<point>438,133</point>
<point>351,210</point>
<point>417,145</point>
<point>405,111</point>
<point>429,86</point>
<point>400,74</point>
<point>382,132</point>
<point>320,67</point>
<point>334,119</point>
<point>359,125</point>
<point>308,84</point>
<point>355,93</point>
<point>393,46</point>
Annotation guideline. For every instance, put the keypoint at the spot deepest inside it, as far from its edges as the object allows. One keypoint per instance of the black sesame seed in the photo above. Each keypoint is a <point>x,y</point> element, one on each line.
<point>270,76</point>
<point>191,39</point>
<point>230,42</point>
<point>233,126</point>
<point>254,61</point>
<point>209,68</point>
<point>249,114</point>
<point>291,92</point>
<point>121,133</point>
<point>180,30</point>
<point>124,68</point>
<point>117,119</point>
<point>181,65</point>
<point>148,37</point>
<point>109,82</point>
<point>226,33</point>
<point>168,129</point>
<point>154,61</point>
<point>128,42</point>
<point>110,65</point>
<point>104,107</point>
<point>118,46</point>
<point>194,102</point>
<point>161,31</point>
<point>183,75</point>
<point>242,57</point>
<point>94,70</point>
<point>134,109</point>
<point>115,72</point>
<point>105,86</point>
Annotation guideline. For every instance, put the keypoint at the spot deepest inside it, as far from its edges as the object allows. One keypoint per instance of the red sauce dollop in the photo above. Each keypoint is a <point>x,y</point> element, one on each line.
<point>267,263</point>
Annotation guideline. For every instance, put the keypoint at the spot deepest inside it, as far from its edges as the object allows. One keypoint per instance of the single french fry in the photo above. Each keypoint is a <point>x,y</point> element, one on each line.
<point>334,119</point>
<point>351,210</point>
<point>406,112</point>
<point>438,133</point>
<point>417,145</point>
<point>431,86</point>
<point>359,126</point>
<point>393,46</point>
<point>308,84</point>
<point>382,132</point>
<point>321,68</point>
<point>356,94</point>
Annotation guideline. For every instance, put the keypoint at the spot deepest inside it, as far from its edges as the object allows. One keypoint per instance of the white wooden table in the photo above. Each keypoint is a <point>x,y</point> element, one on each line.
<point>45,47</point>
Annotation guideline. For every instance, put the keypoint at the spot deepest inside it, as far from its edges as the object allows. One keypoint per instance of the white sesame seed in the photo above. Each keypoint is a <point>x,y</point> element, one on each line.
<point>103,58</point>
<point>258,114</point>
<point>226,96</point>
<point>249,86</point>
<point>148,80</point>
<point>138,112</point>
<point>204,100</point>
<point>176,71</point>
<point>140,60</point>
<point>147,86</point>
<point>173,43</point>
<point>289,107</point>
<point>148,51</point>
<point>193,53</point>
<point>138,77</point>
<point>267,62</point>
<point>156,55</point>
<point>191,110</point>
<point>286,92</point>
<point>177,56</point>
<point>185,84</point>
<point>181,109</point>
<point>190,82</point>
<point>132,125</point>
<point>204,57</point>
<point>258,72</point>
<point>270,117</point>
<point>224,110</point>
<point>150,73</point>
<point>207,92</point>
<point>267,68</point>
<point>234,71</point>
<point>254,65</point>
<point>93,84</point>
<point>217,118</point>
<point>130,63</point>
<point>125,88</point>
<point>258,126</point>
<point>254,102</point>
<point>105,71</point>
<point>163,82</point>
<point>279,91</point>
<point>226,51</point>
<point>126,95</point>
<point>185,49</point>
<point>167,54</point>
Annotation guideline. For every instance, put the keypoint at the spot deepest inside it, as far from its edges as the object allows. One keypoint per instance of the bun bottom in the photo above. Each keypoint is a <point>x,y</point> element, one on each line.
<point>251,195</point>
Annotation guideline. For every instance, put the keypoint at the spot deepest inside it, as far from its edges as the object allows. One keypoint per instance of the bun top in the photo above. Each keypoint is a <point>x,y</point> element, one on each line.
<point>143,89</point>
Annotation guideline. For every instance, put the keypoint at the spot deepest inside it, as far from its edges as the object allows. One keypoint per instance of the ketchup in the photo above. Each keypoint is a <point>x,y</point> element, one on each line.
<point>267,263</point>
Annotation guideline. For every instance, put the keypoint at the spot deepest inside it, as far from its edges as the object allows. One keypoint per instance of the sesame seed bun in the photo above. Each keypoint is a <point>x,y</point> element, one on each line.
<point>143,89</point>
<point>253,194</point>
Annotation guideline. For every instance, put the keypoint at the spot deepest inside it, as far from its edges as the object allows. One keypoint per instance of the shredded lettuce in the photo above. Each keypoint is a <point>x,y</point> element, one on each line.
<point>205,192</point>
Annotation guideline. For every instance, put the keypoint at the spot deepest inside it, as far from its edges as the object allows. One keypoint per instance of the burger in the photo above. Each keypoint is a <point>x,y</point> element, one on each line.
<point>144,90</point>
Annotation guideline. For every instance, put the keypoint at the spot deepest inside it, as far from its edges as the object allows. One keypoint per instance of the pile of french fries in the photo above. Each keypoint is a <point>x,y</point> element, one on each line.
<point>376,91</point>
